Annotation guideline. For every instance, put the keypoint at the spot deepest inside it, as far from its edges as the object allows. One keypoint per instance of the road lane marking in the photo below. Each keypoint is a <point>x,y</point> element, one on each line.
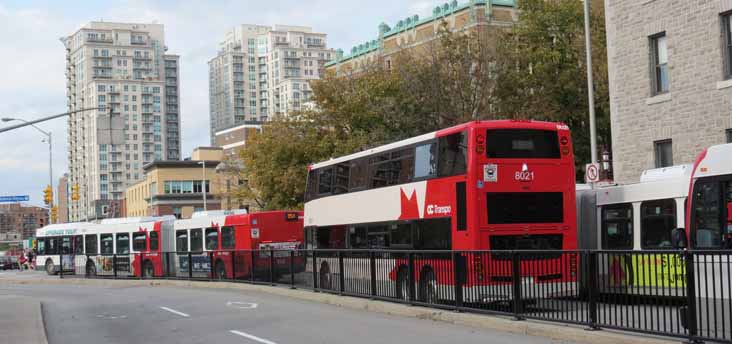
<point>241,305</point>
<point>175,312</point>
<point>254,338</point>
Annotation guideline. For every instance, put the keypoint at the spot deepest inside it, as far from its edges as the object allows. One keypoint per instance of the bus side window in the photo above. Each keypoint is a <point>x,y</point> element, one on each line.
<point>196,240</point>
<point>227,238</point>
<point>706,226</point>
<point>212,239</point>
<point>658,220</point>
<point>91,243</point>
<point>154,241</point>
<point>66,245</point>
<point>325,181</point>
<point>78,247</point>
<point>139,241</point>
<point>41,246</point>
<point>123,243</point>
<point>424,161</point>
<point>617,227</point>
<point>452,154</point>
<point>107,243</point>
<point>181,240</point>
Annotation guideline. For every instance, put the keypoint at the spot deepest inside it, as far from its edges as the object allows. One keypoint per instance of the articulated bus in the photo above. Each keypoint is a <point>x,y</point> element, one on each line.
<point>635,218</point>
<point>226,239</point>
<point>483,185</point>
<point>216,244</point>
<point>98,248</point>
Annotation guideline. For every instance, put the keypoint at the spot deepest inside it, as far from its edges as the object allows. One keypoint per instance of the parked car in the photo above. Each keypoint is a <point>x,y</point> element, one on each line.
<point>9,263</point>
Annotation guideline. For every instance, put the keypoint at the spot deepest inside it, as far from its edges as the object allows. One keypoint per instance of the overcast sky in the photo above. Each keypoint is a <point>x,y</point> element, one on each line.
<point>32,82</point>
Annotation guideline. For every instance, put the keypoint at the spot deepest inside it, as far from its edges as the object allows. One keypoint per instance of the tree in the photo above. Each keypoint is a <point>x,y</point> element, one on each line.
<point>541,70</point>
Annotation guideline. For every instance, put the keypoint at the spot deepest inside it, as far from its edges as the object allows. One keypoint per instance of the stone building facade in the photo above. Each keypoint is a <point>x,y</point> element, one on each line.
<point>670,73</point>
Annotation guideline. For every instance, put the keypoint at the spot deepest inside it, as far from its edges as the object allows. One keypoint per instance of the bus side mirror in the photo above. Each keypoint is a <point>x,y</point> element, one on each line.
<point>678,238</point>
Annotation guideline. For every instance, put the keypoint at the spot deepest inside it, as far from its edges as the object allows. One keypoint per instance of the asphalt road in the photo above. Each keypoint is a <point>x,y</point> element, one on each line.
<point>95,314</point>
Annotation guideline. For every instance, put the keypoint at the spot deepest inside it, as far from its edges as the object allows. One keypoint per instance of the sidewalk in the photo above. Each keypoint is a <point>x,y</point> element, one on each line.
<point>557,332</point>
<point>21,320</point>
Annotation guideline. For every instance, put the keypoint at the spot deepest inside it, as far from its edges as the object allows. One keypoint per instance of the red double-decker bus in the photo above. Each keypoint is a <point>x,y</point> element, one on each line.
<point>483,185</point>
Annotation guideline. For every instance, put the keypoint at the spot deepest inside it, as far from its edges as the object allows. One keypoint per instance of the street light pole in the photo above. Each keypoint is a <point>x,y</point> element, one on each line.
<point>50,159</point>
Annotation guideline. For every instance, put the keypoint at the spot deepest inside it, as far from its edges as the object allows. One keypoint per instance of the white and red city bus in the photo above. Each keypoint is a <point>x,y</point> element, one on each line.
<point>230,239</point>
<point>483,185</point>
<point>97,247</point>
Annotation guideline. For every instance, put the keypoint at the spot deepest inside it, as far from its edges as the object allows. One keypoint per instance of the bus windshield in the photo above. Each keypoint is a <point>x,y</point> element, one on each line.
<point>712,214</point>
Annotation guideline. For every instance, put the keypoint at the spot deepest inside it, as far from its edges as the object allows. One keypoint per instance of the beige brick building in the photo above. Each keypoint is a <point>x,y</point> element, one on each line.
<point>670,75</point>
<point>232,140</point>
<point>18,218</point>
<point>414,33</point>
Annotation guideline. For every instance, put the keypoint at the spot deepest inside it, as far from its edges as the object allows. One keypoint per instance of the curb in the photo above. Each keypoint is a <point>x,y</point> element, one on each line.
<point>43,334</point>
<point>553,331</point>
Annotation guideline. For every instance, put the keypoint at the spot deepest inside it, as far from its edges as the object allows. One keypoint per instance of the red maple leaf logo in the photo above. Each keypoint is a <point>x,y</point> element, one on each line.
<point>410,208</point>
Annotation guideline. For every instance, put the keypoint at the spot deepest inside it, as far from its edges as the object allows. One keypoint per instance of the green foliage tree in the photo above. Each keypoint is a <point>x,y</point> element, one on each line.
<point>542,70</point>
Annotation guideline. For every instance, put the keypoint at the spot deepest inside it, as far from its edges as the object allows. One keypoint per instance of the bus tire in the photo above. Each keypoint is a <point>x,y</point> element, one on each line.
<point>326,278</point>
<point>402,283</point>
<point>91,269</point>
<point>428,286</point>
<point>147,269</point>
<point>49,267</point>
<point>220,270</point>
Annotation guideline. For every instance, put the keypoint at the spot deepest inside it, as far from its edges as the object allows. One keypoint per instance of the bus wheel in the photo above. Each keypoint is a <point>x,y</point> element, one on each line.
<point>326,279</point>
<point>147,269</point>
<point>49,267</point>
<point>402,284</point>
<point>220,271</point>
<point>428,286</point>
<point>91,269</point>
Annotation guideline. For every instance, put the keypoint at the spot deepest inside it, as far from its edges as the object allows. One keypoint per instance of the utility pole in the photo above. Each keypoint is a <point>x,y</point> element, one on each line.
<point>590,85</point>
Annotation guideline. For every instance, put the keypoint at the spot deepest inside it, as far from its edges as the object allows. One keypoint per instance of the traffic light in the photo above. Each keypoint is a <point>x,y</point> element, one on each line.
<point>54,214</point>
<point>48,195</point>
<point>75,192</point>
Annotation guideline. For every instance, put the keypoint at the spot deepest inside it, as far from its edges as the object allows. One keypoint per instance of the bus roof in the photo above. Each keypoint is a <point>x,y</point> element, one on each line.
<point>645,191</point>
<point>541,125</point>
<point>714,161</point>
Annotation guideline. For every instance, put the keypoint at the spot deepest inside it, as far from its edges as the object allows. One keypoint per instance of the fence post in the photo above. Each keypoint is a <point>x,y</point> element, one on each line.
<point>60,265</point>
<point>372,264</point>
<point>233,265</point>
<point>292,269</point>
<point>141,271</point>
<point>252,266</point>
<point>114,265</point>
<point>458,276</point>
<point>341,278</point>
<point>190,265</point>
<point>691,320</point>
<point>411,279</point>
<point>271,266</point>
<point>210,266</point>
<point>315,271</point>
<point>591,274</point>
<point>516,272</point>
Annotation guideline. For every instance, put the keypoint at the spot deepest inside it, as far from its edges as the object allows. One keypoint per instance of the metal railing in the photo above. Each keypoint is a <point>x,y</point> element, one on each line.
<point>682,294</point>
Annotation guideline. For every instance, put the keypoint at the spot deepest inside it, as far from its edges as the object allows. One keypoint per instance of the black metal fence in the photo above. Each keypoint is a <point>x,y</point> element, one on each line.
<point>684,294</point>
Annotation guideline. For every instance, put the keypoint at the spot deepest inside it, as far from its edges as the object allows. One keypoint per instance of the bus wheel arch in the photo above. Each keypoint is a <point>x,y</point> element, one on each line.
<point>402,282</point>
<point>147,269</point>
<point>91,268</point>
<point>325,276</point>
<point>50,269</point>
<point>427,285</point>
<point>219,270</point>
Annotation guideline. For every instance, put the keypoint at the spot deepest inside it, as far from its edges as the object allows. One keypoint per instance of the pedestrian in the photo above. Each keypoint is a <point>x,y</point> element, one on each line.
<point>22,261</point>
<point>31,262</point>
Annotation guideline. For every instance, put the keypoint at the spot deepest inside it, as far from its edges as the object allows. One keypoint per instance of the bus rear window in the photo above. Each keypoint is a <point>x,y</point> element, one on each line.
<point>522,143</point>
<point>525,207</point>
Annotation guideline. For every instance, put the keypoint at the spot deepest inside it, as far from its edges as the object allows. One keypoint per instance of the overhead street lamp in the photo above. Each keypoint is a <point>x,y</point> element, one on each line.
<point>50,157</point>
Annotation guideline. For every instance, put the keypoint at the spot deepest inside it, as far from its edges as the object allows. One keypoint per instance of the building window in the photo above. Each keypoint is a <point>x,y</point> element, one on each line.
<point>659,64</point>
<point>727,44</point>
<point>728,132</point>
<point>664,153</point>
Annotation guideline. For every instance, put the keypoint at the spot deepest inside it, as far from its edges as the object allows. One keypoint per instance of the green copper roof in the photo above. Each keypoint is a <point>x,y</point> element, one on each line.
<point>386,31</point>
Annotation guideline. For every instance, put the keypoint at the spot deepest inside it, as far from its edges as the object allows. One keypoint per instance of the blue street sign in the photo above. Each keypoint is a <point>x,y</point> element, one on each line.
<point>13,199</point>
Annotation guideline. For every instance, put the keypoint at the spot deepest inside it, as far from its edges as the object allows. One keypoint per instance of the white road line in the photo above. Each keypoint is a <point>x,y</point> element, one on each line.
<point>175,312</point>
<point>254,338</point>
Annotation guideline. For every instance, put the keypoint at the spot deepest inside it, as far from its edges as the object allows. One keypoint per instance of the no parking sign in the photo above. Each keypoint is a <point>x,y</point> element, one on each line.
<point>592,173</point>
